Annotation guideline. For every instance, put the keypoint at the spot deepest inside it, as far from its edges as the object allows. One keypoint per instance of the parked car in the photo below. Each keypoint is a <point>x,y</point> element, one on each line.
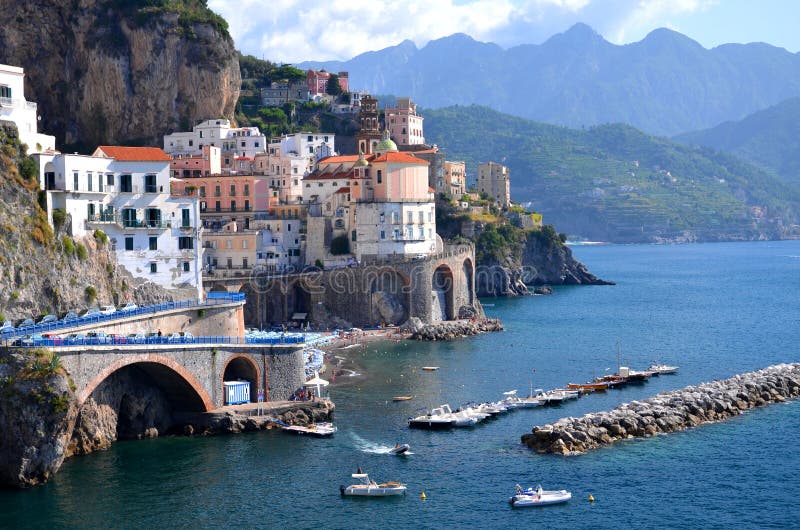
<point>25,323</point>
<point>419,257</point>
<point>48,318</point>
<point>108,309</point>
<point>98,337</point>
<point>72,315</point>
<point>137,338</point>
<point>7,326</point>
<point>30,340</point>
<point>130,306</point>
<point>75,338</point>
<point>57,340</point>
<point>91,312</point>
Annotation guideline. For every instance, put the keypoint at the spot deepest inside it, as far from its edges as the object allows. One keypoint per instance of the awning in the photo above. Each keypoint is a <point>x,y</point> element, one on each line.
<point>299,316</point>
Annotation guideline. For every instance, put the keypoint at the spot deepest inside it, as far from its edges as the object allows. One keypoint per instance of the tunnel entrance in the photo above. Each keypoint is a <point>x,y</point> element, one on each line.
<point>242,368</point>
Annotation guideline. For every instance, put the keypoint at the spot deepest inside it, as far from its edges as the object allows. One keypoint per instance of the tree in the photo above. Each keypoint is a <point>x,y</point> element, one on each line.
<point>333,87</point>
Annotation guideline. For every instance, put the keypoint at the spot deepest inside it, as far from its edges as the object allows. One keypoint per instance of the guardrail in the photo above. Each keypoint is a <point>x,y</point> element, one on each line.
<point>121,340</point>
<point>212,299</point>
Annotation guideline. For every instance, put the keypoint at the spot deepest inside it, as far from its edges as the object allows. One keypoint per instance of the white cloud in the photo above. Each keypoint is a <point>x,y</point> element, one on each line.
<point>294,30</point>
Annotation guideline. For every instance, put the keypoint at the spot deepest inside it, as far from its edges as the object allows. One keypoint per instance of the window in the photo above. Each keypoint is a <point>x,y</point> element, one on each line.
<point>153,243</point>
<point>153,268</point>
<point>430,217</point>
<point>397,233</point>
<point>244,263</point>
<point>233,206</point>
<point>125,184</point>
<point>185,243</point>
<point>185,217</point>
<point>247,190</point>
<point>89,178</point>
<point>410,232</point>
<point>217,191</point>
<point>202,191</point>
<point>230,263</point>
<point>244,144</point>
<point>421,232</point>
<point>421,217</point>
<point>5,91</point>
<point>255,144</point>
<point>110,179</point>
<point>75,181</point>
<point>383,234</point>
<point>191,143</point>
<point>153,217</point>
<point>100,182</point>
<point>228,244</point>
<point>203,206</point>
<point>201,134</point>
<point>380,176</point>
<point>150,184</point>
<point>186,266</point>
<point>353,235</point>
<point>247,206</point>
<point>244,244</point>
<point>410,217</point>
<point>310,138</point>
<point>129,243</point>
<point>233,190</point>
<point>218,206</point>
<point>383,217</point>
<point>128,218</point>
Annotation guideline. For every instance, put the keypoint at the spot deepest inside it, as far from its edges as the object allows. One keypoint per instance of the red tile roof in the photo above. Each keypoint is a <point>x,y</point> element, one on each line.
<point>339,159</point>
<point>343,190</point>
<point>133,154</point>
<point>401,158</point>
<point>329,176</point>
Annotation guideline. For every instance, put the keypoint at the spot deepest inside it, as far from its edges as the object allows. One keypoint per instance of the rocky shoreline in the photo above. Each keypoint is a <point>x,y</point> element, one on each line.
<point>453,329</point>
<point>247,419</point>
<point>669,411</point>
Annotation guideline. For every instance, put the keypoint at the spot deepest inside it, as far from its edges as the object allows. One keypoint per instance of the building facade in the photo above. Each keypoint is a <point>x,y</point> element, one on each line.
<point>454,179</point>
<point>317,81</point>
<point>125,192</point>
<point>280,93</point>
<point>369,134</point>
<point>495,180</point>
<point>14,108</point>
<point>234,142</point>
<point>404,124</point>
<point>209,162</point>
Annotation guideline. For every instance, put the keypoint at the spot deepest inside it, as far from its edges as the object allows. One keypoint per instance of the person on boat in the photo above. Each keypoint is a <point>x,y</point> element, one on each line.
<point>359,470</point>
<point>518,489</point>
<point>539,491</point>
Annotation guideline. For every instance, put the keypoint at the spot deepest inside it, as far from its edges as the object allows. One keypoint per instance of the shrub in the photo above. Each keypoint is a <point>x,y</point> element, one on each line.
<point>59,217</point>
<point>81,251</point>
<point>100,237</point>
<point>15,295</point>
<point>91,293</point>
<point>318,263</point>
<point>68,245</point>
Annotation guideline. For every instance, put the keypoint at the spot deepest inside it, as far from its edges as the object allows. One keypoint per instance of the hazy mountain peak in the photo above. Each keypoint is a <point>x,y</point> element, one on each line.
<point>578,34</point>
<point>666,36</point>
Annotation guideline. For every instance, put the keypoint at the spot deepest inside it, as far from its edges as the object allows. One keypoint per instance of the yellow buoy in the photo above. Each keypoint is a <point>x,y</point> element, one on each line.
<point>422,496</point>
<point>591,498</point>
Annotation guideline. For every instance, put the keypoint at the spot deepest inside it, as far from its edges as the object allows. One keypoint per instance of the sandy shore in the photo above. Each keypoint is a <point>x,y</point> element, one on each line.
<point>342,352</point>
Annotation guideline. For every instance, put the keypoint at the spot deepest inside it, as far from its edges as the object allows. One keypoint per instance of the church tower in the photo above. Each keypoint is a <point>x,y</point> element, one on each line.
<point>370,134</point>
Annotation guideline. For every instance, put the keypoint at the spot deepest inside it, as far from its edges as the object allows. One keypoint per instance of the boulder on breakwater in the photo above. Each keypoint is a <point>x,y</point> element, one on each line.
<point>669,411</point>
<point>452,329</point>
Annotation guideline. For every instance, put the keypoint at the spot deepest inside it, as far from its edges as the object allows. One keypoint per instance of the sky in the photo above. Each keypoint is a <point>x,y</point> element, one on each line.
<point>289,31</point>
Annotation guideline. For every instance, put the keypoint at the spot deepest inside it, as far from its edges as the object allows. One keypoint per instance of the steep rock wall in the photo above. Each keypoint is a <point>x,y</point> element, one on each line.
<point>107,72</point>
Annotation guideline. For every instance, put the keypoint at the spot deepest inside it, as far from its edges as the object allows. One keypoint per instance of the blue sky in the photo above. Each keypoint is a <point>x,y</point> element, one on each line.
<point>298,30</point>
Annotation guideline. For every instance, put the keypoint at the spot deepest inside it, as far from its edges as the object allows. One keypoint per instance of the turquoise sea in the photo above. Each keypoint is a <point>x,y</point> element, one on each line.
<point>714,309</point>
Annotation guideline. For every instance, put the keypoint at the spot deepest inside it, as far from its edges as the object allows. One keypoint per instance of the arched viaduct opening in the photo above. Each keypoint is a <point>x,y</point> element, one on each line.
<point>390,296</point>
<point>442,293</point>
<point>242,368</point>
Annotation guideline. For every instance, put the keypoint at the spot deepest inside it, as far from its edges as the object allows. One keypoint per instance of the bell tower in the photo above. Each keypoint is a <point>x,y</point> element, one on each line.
<point>370,134</point>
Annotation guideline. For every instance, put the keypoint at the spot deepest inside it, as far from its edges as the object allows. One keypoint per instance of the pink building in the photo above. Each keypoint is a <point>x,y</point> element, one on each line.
<point>318,81</point>
<point>404,124</point>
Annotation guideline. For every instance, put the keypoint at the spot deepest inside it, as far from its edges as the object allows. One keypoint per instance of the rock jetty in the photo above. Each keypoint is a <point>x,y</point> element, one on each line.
<point>452,329</point>
<point>669,411</point>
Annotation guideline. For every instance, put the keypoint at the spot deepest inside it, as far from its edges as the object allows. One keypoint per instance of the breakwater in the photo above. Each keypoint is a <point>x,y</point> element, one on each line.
<point>453,329</point>
<point>672,411</point>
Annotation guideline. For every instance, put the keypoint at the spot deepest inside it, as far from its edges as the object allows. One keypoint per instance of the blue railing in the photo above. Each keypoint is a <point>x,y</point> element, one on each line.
<point>120,340</point>
<point>212,299</point>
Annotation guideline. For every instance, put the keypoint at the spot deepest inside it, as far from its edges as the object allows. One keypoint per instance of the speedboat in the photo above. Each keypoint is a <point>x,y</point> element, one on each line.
<point>662,369</point>
<point>321,429</point>
<point>369,488</point>
<point>399,449</point>
<point>538,497</point>
<point>513,401</point>
<point>435,419</point>
<point>462,418</point>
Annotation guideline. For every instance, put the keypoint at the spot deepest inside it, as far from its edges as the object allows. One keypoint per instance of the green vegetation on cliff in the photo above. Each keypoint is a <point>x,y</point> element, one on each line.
<point>613,182</point>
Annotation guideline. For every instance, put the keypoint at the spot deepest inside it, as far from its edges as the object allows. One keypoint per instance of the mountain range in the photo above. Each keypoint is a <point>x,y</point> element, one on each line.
<point>769,138</point>
<point>616,183</point>
<point>665,84</point>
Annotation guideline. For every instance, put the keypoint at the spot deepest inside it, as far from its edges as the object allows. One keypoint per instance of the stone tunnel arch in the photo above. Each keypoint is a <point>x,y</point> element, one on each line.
<point>390,296</point>
<point>219,288</point>
<point>182,389</point>
<point>242,368</point>
<point>254,306</point>
<point>298,302</point>
<point>442,293</point>
<point>468,271</point>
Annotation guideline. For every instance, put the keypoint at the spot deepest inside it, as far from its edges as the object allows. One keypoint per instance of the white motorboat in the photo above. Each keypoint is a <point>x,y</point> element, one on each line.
<point>369,488</point>
<point>538,497</point>
<point>435,419</point>
<point>399,449</point>
<point>320,429</point>
<point>662,369</point>
<point>462,418</point>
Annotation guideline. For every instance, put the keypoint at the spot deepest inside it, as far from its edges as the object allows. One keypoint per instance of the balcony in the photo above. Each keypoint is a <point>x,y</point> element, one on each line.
<point>208,210</point>
<point>144,224</point>
<point>12,103</point>
<point>101,218</point>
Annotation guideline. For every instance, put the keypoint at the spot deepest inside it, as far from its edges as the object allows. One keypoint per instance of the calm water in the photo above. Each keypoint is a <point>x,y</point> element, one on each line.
<point>713,309</point>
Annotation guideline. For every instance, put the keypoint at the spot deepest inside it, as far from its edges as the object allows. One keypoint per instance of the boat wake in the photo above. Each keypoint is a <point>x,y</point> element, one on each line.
<point>372,448</point>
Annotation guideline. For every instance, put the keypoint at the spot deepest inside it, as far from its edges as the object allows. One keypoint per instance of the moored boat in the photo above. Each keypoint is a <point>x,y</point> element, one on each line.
<point>538,497</point>
<point>402,398</point>
<point>597,386</point>
<point>662,368</point>
<point>435,419</point>
<point>369,488</point>
<point>320,429</point>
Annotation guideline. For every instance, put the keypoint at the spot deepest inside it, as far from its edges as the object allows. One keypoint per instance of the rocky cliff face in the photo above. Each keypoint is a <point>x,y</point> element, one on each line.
<point>110,71</point>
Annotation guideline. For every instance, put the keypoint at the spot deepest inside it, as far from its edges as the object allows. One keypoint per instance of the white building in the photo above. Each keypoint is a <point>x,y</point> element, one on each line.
<point>13,107</point>
<point>291,158</point>
<point>244,142</point>
<point>125,192</point>
<point>280,244</point>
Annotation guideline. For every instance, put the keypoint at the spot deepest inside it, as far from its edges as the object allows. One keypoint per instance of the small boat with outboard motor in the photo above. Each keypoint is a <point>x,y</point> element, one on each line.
<point>437,418</point>
<point>662,369</point>
<point>320,429</point>
<point>369,488</point>
<point>399,449</point>
<point>538,497</point>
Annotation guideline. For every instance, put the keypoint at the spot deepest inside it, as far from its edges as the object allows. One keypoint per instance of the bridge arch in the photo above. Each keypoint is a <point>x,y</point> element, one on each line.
<point>442,283</point>
<point>468,270</point>
<point>181,387</point>
<point>242,368</point>
<point>390,295</point>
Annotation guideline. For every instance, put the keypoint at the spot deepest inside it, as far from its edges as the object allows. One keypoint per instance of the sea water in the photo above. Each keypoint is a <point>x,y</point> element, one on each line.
<point>714,309</point>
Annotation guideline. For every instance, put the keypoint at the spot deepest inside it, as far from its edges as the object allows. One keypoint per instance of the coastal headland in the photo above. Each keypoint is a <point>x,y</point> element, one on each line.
<point>667,412</point>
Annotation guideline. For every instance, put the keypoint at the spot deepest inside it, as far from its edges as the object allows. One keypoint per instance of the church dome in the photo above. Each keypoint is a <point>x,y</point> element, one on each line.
<point>361,162</point>
<point>387,144</point>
